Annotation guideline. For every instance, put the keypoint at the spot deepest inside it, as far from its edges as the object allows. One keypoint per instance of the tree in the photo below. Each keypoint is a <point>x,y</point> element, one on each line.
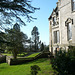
<point>35,37</point>
<point>17,40</point>
<point>3,41</point>
<point>42,47</point>
<point>12,10</point>
<point>46,48</point>
<point>30,44</point>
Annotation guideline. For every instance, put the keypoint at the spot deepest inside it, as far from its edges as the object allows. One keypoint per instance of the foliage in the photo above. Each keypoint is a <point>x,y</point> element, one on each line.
<point>3,42</point>
<point>17,40</point>
<point>42,47</point>
<point>46,48</point>
<point>2,59</point>
<point>34,69</point>
<point>35,37</point>
<point>64,62</point>
<point>12,10</point>
<point>2,47</point>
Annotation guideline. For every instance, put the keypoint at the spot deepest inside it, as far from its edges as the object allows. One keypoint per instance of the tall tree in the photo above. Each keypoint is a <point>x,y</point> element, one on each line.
<point>35,37</point>
<point>42,47</point>
<point>14,9</point>
<point>17,40</point>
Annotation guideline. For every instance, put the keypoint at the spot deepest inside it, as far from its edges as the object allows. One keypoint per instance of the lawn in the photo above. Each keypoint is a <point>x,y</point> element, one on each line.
<point>23,54</point>
<point>7,54</point>
<point>19,55</point>
<point>33,55</point>
<point>24,69</point>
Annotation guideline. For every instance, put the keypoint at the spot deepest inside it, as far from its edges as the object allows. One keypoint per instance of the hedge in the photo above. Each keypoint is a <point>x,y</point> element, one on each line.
<point>25,60</point>
<point>3,59</point>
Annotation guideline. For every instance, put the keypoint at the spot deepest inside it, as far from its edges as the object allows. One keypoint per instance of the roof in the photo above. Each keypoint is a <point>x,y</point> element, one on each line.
<point>54,10</point>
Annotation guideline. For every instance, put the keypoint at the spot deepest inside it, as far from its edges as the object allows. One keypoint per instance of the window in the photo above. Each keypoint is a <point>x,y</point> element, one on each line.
<point>73,2</point>
<point>54,21</point>
<point>56,36</point>
<point>69,31</point>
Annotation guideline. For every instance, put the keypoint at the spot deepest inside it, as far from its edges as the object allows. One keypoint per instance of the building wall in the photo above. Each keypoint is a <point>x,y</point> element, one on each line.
<point>65,12</point>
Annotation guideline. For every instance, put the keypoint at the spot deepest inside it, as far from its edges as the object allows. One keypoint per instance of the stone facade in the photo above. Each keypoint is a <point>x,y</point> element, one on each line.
<point>62,25</point>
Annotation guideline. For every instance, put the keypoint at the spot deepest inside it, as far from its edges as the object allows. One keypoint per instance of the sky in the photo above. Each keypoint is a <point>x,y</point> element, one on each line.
<point>42,23</point>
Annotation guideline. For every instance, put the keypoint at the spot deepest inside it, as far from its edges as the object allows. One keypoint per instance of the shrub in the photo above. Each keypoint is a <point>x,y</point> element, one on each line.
<point>34,69</point>
<point>3,59</point>
<point>64,62</point>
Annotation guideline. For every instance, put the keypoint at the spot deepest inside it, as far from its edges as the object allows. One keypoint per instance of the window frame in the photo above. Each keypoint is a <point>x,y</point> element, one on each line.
<point>69,31</point>
<point>56,37</point>
<point>73,5</point>
<point>54,21</point>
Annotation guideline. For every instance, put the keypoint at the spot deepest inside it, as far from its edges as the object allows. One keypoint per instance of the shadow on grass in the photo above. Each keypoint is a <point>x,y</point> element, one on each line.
<point>38,60</point>
<point>3,68</point>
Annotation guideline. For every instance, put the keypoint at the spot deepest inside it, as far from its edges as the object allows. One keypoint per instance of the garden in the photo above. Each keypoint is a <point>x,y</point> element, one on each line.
<point>25,69</point>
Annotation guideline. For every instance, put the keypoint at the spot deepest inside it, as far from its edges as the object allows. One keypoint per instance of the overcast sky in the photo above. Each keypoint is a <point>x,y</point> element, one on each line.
<point>42,15</point>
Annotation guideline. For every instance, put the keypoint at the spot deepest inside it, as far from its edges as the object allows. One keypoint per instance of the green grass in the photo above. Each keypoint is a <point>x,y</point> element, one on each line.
<point>22,55</point>
<point>32,55</point>
<point>19,55</point>
<point>24,69</point>
<point>7,54</point>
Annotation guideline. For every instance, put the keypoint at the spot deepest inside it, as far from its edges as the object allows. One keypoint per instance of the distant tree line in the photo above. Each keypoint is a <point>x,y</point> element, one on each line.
<point>16,42</point>
<point>36,44</point>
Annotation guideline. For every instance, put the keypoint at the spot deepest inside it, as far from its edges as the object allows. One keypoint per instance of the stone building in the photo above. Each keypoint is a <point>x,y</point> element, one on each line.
<point>62,25</point>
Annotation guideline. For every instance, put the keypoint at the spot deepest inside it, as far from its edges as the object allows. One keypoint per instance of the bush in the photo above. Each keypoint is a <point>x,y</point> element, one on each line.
<point>3,59</point>
<point>24,60</point>
<point>64,62</point>
<point>34,69</point>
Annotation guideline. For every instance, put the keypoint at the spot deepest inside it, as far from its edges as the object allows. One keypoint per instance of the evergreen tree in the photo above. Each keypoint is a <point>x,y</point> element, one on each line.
<point>17,40</point>
<point>35,37</point>
<point>42,47</point>
<point>2,41</point>
<point>14,9</point>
